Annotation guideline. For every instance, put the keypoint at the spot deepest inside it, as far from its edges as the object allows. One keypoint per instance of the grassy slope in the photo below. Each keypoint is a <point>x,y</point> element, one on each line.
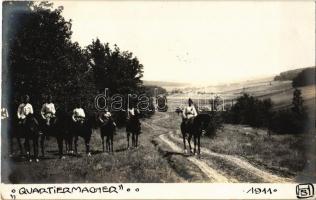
<point>286,155</point>
<point>144,164</point>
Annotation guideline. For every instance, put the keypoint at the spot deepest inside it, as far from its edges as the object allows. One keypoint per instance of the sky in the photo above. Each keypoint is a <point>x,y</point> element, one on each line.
<point>201,42</point>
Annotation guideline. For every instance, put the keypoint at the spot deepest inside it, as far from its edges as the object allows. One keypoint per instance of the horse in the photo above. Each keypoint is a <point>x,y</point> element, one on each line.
<point>31,131</point>
<point>15,131</point>
<point>107,129</point>
<point>195,129</point>
<point>81,129</point>
<point>57,128</point>
<point>133,127</point>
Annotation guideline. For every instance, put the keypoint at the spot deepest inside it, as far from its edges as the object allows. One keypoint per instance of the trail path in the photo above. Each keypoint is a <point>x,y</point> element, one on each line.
<point>171,137</point>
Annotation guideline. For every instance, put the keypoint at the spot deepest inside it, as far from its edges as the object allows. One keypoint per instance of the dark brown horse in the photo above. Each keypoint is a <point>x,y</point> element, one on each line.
<point>14,129</point>
<point>133,127</point>
<point>58,128</point>
<point>107,130</point>
<point>194,129</point>
<point>30,130</point>
<point>83,130</point>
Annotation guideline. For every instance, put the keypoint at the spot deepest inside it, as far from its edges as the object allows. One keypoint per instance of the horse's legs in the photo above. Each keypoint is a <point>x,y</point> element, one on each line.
<point>27,148</point>
<point>35,148</point>
<point>111,141</point>
<point>20,145</point>
<point>128,139</point>
<point>189,141</point>
<point>76,144</point>
<point>11,146</point>
<point>107,143</point>
<point>199,145</point>
<point>60,146</point>
<point>69,141</point>
<point>87,143</point>
<point>67,146</point>
<point>102,137</point>
<point>183,136</point>
<point>184,143</point>
<point>136,140</point>
<point>194,139</point>
<point>42,141</point>
<point>133,139</point>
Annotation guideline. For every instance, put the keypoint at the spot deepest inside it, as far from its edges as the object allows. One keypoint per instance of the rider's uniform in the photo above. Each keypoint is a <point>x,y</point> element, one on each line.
<point>24,110</point>
<point>105,116</point>
<point>130,113</point>
<point>78,115</point>
<point>48,111</point>
<point>189,114</point>
<point>4,113</point>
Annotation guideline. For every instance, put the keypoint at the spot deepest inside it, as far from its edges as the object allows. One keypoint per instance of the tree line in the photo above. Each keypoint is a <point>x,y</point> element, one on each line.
<point>299,77</point>
<point>249,110</point>
<point>39,58</point>
<point>259,113</point>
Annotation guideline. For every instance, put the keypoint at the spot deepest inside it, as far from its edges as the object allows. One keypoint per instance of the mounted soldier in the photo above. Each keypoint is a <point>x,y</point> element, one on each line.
<point>107,128</point>
<point>48,110</point>
<point>25,110</point>
<point>29,126</point>
<point>81,126</point>
<point>189,113</point>
<point>78,114</point>
<point>133,125</point>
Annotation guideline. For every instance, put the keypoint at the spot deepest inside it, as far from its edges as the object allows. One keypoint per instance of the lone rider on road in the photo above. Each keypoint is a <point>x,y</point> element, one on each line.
<point>189,113</point>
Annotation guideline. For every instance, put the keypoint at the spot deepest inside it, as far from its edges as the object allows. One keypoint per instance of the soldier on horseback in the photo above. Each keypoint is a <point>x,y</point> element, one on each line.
<point>25,110</point>
<point>29,125</point>
<point>133,125</point>
<point>78,114</point>
<point>107,129</point>
<point>48,110</point>
<point>105,116</point>
<point>82,127</point>
<point>189,113</point>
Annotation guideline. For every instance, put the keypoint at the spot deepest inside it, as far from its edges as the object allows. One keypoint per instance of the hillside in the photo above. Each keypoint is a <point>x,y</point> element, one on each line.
<point>288,75</point>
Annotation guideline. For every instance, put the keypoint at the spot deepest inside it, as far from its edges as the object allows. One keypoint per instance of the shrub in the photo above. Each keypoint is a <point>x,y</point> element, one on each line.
<point>251,111</point>
<point>215,123</point>
<point>288,122</point>
<point>291,120</point>
<point>257,113</point>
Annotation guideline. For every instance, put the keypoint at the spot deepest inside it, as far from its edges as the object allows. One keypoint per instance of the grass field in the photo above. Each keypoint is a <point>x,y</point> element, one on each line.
<point>138,165</point>
<point>160,159</point>
<point>286,155</point>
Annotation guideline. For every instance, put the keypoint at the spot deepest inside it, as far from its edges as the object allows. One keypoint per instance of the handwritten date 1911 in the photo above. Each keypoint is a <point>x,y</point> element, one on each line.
<point>255,190</point>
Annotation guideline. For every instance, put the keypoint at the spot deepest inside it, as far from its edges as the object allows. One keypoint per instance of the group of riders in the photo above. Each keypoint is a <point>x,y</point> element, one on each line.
<point>48,112</point>
<point>47,115</point>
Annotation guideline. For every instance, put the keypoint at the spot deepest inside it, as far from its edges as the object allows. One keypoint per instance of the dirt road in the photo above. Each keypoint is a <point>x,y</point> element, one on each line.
<point>172,138</point>
<point>159,158</point>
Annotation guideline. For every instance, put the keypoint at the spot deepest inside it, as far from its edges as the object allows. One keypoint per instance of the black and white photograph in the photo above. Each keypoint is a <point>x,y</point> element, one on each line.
<point>158,92</point>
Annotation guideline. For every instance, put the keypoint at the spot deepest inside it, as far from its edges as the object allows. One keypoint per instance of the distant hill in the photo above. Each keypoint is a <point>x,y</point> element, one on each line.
<point>164,83</point>
<point>288,75</point>
<point>305,77</point>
